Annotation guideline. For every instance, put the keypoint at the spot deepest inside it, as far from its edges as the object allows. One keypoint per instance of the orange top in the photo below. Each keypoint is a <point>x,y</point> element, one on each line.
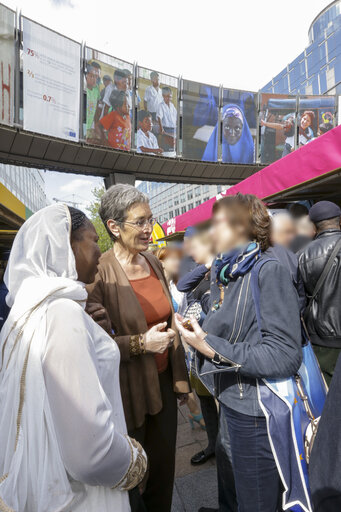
<point>156,308</point>
<point>119,130</point>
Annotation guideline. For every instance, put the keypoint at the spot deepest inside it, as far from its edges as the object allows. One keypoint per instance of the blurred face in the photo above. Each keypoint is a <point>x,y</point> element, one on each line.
<point>283,230</point>
<point>171,264</point>
<point>155,81</point>
<point>91,78</point>
<point>122,84</point>
<point>305,227</point>
<point>106,82</point>
<point>86,252</point>
<point>224,236</point>
<point>187,246</point>
<point>305,121</point>
<point>146,125</point>
<point>124,109</point>
<point>135,232</point>
<point>232,129</point>
<point>201,250</point>
<point>287,126</point>
<point>168,98</point>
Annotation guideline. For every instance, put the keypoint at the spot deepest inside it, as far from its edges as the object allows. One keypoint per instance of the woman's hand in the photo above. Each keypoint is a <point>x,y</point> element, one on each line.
<point>100,315</point>
<point>157,340</point>
<point>195,338</point>
<point>183,398</point>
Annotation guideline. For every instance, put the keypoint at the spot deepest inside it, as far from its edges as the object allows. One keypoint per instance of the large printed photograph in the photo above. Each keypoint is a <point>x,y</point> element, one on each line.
<point>7,59</point>
<point>157,113</point>
<point>108,86</point>
<point>277,126</point>
<point>238,129</point>
<point>199,121</point>
<point>316,116</point>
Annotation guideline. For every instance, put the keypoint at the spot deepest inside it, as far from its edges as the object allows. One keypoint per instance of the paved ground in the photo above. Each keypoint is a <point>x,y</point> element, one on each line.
<point>195,486</point>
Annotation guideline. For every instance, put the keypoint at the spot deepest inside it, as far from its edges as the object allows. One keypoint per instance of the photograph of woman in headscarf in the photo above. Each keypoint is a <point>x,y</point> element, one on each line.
<point>237,142</point>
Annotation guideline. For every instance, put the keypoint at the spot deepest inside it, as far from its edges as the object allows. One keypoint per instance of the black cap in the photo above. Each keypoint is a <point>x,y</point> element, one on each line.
<point>324,210</point>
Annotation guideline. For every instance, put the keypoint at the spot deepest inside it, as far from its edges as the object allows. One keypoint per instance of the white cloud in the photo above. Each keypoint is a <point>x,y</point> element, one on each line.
<point>76,186</point>
<point>62,3</point>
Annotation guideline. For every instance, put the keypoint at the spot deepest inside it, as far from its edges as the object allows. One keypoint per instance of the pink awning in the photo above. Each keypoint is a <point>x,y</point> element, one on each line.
<point>319,157</point>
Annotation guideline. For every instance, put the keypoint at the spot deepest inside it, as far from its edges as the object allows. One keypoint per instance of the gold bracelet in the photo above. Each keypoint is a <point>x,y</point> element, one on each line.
<point>142,344</point>
<point>134,346</point>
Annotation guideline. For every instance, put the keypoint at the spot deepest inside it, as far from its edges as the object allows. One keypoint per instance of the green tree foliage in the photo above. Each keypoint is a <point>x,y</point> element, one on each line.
<point>104,241</point>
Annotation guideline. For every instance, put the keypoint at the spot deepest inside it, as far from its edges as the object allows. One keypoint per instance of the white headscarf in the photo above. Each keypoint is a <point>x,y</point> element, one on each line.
<point>41,268</point>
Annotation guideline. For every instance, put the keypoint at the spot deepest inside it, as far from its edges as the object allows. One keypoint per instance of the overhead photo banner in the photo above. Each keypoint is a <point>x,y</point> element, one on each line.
<point>7,18</point>
<point>108,83</point>
<point>51,80</point>
<point>199,121</point>
<point>157,115</point>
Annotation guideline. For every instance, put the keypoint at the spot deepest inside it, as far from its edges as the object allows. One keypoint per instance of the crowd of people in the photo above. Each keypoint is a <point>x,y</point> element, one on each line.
<point>97,352</point>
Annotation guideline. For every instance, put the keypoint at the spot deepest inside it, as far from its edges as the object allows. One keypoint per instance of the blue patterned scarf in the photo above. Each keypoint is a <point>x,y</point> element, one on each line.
<point>236,262</point>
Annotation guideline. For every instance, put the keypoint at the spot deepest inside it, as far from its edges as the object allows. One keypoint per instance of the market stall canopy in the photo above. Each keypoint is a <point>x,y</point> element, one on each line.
<point>311,172</point>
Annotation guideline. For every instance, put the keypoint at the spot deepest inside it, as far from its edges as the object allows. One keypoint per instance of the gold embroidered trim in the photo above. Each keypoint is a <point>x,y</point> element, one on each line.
<point>136,345</point>
<point>137,467</point>
<point>4,507</point>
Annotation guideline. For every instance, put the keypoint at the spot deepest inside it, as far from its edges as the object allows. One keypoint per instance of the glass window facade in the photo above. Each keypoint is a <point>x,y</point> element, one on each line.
<point>26,184</point>
<point>317,70</point>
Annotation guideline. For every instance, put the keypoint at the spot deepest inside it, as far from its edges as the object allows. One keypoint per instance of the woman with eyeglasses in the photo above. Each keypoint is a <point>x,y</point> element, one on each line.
<point>131,290</point>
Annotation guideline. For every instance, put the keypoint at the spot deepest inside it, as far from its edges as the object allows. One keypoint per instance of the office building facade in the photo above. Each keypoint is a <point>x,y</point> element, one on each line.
<point>317,70</point>
<point>168,200</point>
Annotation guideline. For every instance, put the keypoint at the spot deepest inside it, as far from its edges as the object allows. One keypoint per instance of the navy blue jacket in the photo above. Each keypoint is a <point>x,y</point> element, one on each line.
<point>246,353</point>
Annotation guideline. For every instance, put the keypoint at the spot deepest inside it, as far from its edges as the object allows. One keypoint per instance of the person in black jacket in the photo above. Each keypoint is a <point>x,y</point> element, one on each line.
<point>325,459</point>
<point>323,313</point>
<point>235,353</point>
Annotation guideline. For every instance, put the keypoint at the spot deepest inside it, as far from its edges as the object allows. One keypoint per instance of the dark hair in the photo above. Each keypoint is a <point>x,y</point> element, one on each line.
<point>119,74</point>
<point>309,113</point>
<point>323,225</point>
<point>325,127</point>
<point>117,99</point>
<point>142,114</point>
<point>298,210</point>
<point>95,64</point>
<point>79,221</point>
<point>250,212</point>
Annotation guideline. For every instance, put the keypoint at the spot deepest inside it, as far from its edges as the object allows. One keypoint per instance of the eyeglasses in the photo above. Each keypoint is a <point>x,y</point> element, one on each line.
<point>143,223</point>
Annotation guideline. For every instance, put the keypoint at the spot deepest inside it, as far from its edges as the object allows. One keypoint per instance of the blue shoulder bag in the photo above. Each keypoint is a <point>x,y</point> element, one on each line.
<point>292,408</point>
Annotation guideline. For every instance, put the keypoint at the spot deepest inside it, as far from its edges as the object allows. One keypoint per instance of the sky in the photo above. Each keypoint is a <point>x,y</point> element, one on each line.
<point>239,44</point>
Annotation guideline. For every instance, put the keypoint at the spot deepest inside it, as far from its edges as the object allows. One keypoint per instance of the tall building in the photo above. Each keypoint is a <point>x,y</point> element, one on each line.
<point>168,200</point>
<point>317,70</point>
<point>22,192</point>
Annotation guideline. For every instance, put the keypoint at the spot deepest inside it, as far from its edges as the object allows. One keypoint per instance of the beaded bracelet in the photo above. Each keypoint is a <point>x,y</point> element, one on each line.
<point>142,344</point>
<point>135,349</point>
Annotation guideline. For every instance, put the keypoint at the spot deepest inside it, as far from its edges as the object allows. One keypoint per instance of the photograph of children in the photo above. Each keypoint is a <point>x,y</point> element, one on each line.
<point>115,127</point>
<point>104,75</point>
<point>316,116</point>
<point>238,129</point>
<point>277,126</point>
<point>146,140</point>
<point>199,120</point>
<point>158,94</point>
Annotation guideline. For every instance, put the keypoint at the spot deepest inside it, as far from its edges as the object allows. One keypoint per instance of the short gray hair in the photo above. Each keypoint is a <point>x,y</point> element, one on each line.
<point>116,202</point>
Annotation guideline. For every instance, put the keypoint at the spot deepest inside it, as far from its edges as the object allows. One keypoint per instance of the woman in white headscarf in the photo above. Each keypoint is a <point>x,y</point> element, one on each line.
<point>63,442</point>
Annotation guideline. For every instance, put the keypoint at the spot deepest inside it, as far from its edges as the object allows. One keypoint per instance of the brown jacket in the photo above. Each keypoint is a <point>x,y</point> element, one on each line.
<point>138,374</point>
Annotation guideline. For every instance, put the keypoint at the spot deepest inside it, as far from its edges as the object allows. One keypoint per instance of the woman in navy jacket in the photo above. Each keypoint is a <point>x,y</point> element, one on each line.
<point>234,351</point>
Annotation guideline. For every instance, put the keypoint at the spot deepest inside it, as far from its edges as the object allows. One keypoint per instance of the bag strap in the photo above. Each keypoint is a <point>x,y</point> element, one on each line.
<point>255,286</point>
<point>323,275</point>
